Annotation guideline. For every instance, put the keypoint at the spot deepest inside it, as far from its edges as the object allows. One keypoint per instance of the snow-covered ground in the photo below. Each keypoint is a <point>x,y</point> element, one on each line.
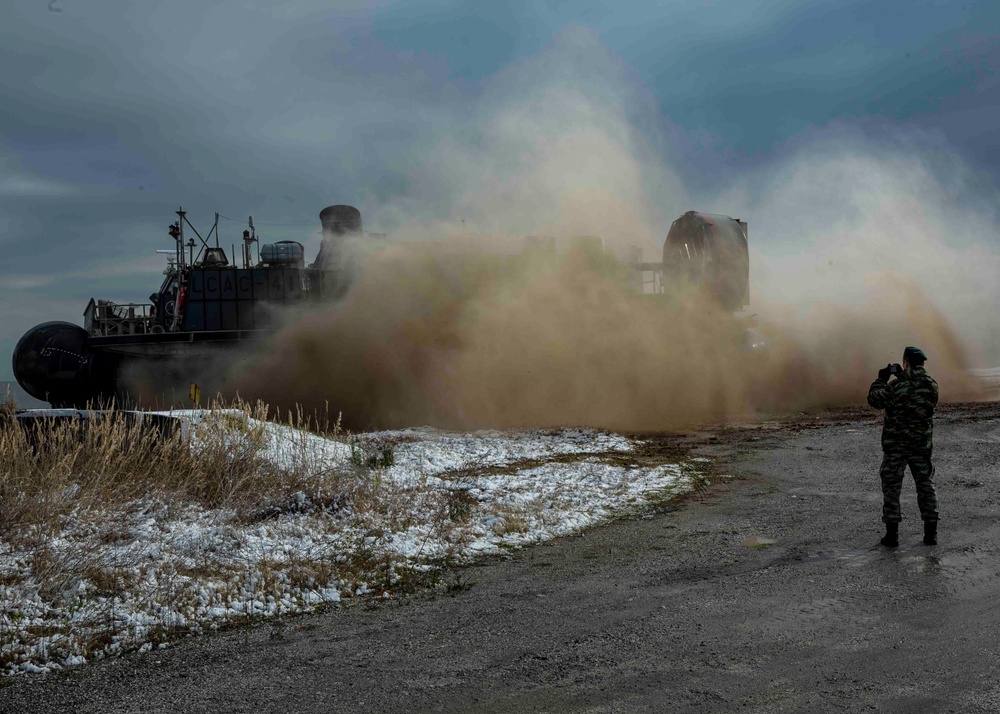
<point>158,570</point>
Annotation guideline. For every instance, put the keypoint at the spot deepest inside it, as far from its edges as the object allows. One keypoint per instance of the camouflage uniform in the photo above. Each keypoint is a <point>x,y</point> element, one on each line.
<point>906,439</point>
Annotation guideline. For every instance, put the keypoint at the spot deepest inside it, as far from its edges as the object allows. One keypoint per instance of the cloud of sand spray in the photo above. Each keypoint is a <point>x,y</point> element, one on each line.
<point>552,146</point>
<point>854,255</point>
<point>869,250</point>
<point>453,334</point>
<point>433,335</point>
<point>475,340</point>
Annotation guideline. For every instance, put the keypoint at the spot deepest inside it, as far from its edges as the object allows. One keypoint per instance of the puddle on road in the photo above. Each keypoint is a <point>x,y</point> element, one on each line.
<point>850,556</point>
<point>964,568</point>
<point>959,569</point>
<point>930,564</point>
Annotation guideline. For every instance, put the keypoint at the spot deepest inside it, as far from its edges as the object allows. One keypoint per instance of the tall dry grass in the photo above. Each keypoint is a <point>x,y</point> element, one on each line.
<point>74,498</point>
<point>8,405</point>
<point>54,466</point>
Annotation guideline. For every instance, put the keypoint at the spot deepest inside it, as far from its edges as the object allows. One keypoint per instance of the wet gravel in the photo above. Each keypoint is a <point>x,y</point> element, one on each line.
<point>766,592</point>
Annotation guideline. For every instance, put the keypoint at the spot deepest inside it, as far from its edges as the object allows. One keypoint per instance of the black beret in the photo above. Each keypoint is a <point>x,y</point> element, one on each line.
<point>910,352</point>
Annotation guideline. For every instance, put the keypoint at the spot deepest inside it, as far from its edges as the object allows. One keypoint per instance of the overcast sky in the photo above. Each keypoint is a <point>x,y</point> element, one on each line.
<point>113,113</point>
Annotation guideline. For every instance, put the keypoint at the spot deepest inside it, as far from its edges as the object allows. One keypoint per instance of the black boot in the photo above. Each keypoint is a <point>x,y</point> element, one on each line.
<point>930,532</point>
<point>891,537</point>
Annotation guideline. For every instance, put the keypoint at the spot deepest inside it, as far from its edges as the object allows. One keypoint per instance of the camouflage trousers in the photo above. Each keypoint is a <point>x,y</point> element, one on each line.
<point>891,473</point>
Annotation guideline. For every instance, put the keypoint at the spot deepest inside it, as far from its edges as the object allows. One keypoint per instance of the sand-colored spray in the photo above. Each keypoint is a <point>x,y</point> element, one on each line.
<point>437,334</point>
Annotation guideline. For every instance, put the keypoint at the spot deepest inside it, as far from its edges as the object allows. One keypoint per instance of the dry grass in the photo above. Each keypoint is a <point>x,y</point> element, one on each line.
<point>77,499</point>
<point>51,469</point>
<point>54,468</point>
<point>114,536</point>
<point>7,404</point>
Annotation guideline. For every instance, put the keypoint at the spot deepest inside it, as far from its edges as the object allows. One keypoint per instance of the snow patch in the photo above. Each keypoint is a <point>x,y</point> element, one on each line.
<point>183,568</point>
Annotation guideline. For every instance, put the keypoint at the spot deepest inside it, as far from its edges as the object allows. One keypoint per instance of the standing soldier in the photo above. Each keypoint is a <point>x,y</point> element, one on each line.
<point>909,403</point>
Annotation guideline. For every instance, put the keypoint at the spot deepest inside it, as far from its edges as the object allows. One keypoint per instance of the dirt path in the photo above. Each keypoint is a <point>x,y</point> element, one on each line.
<point>692,609</point>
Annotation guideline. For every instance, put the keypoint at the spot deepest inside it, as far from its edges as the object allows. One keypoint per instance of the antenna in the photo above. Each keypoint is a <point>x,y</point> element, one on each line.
<point>179,235</point>
<point>249,237</point>
<point>183,220</point>
<point>253,233</point>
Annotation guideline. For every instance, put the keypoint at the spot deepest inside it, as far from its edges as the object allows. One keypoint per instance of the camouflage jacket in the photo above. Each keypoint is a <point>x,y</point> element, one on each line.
<point>909,404</point>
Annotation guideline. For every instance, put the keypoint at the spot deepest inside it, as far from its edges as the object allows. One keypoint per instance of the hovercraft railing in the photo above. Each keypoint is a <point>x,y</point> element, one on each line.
<point>104,318</point>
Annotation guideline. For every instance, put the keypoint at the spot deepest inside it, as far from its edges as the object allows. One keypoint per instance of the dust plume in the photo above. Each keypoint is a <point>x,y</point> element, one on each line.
<point>828,355</point>
<point>869,248</point>
<point>437,335</point>
<point>432,335</point>
<point>858,248</point>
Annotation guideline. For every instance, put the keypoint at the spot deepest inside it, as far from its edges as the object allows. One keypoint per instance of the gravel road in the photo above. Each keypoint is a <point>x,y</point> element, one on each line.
<point>767,592</point>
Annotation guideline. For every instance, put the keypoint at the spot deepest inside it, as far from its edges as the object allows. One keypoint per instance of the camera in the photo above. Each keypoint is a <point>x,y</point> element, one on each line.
<point>895,369</point>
